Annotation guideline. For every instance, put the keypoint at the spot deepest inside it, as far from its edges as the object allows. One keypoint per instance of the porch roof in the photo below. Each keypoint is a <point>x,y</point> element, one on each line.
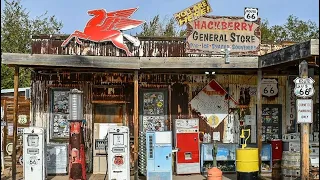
<point>291,55</point>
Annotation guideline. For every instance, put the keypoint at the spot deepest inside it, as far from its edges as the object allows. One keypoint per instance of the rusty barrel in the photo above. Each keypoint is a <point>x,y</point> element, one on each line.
<point>276,170</point>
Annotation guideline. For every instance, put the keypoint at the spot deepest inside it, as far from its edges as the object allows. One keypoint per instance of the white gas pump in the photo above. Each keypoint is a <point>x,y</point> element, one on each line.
<point>118,153</point>
<point>34,153</point>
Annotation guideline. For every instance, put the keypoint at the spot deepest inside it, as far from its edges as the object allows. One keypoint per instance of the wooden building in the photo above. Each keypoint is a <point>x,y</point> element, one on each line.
<point>110,82</point>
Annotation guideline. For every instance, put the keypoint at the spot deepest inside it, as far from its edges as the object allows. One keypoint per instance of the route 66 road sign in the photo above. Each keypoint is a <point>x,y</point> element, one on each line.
<point>303,87</point>
<point>269,87</point>
<point>251,14</point>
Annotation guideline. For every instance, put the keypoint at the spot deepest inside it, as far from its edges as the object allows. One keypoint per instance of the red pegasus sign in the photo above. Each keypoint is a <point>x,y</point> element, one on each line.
<point>108,27</point>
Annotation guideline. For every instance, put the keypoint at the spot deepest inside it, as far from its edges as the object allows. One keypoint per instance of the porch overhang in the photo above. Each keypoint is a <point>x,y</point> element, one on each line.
<point>127,63</point>
<point>291,55</point>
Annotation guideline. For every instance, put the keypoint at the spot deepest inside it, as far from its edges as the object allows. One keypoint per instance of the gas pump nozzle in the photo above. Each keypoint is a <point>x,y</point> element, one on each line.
<point>243,139</point>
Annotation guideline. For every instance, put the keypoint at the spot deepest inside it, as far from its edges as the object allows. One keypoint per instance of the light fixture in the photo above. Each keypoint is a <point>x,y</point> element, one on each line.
<point>207,73</point>
<point>213,72</point>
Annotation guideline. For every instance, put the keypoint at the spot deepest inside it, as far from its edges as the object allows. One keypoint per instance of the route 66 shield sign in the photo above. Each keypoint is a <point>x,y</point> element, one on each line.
<point>269,87</point>
<point>303,87</point>
<point>250,14</point>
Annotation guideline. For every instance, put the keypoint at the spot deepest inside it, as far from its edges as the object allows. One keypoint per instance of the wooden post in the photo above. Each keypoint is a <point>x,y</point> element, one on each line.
<point>15,123</point>
<point>304,132</point>
<point>136,123</point>
<point>259,116</point>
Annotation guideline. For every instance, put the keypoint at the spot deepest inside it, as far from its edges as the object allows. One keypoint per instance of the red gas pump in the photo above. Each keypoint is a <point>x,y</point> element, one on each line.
<point>77,160</point>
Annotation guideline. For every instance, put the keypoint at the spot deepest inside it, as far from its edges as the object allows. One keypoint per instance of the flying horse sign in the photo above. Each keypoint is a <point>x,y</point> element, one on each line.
<point>108,26</point>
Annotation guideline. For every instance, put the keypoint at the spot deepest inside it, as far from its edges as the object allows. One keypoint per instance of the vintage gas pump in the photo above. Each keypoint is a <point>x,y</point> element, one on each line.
<point>77,160</point>
<point>34,153</point>
<point>118,153</point>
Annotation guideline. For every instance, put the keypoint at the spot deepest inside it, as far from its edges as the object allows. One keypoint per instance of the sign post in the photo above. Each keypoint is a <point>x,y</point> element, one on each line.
<point>304,89</point>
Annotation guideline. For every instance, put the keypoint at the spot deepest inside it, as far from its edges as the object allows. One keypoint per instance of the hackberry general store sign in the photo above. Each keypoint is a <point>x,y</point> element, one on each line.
<point>210,34</point>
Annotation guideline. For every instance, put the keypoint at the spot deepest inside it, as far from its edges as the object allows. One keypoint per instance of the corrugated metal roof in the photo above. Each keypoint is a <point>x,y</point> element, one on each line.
<point>3,91</point>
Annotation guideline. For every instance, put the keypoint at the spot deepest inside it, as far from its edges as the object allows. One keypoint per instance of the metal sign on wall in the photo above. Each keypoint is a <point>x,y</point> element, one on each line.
<point>211,34</point>
<point>193,12</point>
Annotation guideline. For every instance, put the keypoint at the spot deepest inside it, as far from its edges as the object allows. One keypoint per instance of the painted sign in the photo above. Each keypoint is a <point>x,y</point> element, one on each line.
<point>269,87</point>
<point>192,13</point>
<point>304,87</point>
<point>212,104</point>
<point>250,14</point>
<point>210,35</point>
<point>290,106</point>
<point>304,110</point>
<point>108,26</point>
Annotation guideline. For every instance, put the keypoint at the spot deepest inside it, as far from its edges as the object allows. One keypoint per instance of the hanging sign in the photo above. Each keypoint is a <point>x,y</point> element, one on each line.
<point>251,14</point>
<point>193,12</point>
<point>269,87</point>
<point>304,110</point>
<point>304,87</point>
<point>211,34</point>
<point>108,26</point>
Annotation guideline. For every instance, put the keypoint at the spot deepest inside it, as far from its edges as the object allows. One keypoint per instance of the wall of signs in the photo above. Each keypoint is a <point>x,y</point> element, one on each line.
<point>271,121</point>
<point>153,111</point>
<point>60,113</point>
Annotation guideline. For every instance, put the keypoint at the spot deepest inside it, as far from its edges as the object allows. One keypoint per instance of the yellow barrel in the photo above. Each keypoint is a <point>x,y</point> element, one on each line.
<point>247,160</point>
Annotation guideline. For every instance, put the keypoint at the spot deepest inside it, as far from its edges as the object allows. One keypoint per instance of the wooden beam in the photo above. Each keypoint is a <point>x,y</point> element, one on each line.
<point>291,53</point>
<point>304,133</point>
<point>197,62</point>
<point>71,61</point>
<point>259,117</point>
<point>15,123</point>
<point>134,63</point>
<point>136,123</point>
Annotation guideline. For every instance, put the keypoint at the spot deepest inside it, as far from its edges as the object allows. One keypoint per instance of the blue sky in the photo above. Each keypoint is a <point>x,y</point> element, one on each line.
<point>73,13</point>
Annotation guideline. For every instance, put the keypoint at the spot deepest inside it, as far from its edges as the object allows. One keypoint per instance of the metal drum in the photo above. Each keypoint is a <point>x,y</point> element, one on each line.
<point>247,163</point>
<point>290,165</point>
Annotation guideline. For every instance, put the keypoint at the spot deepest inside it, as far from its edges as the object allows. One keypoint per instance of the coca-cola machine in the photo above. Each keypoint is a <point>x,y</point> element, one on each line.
<point>187,143</point>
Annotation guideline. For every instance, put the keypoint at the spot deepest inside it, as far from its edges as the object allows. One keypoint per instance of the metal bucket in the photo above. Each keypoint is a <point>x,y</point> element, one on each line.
<point>290,165</point>
<point>247,163</point>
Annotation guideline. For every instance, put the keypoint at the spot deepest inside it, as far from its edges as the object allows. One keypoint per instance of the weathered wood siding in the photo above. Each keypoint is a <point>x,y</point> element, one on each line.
<point>149,47</point>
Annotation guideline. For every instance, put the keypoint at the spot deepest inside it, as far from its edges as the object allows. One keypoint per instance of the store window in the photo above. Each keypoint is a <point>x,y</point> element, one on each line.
<point>59,125</point>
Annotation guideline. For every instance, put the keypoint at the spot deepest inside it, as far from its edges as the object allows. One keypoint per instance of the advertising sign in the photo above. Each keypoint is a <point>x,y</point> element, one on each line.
<point>192,13</point>
<point>107,26</point>
<point>211,34</point>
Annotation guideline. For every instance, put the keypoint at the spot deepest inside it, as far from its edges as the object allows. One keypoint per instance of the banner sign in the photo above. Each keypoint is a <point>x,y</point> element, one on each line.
<point>211,34</point>
<point>192,13</point>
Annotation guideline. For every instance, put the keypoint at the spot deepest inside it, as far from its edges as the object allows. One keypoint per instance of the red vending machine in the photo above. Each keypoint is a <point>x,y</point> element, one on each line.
<point>187,142</point>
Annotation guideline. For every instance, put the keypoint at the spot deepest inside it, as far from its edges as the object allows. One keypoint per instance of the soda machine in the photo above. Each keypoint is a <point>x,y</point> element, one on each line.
<point>159,155</point>
<point>187,142</point>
